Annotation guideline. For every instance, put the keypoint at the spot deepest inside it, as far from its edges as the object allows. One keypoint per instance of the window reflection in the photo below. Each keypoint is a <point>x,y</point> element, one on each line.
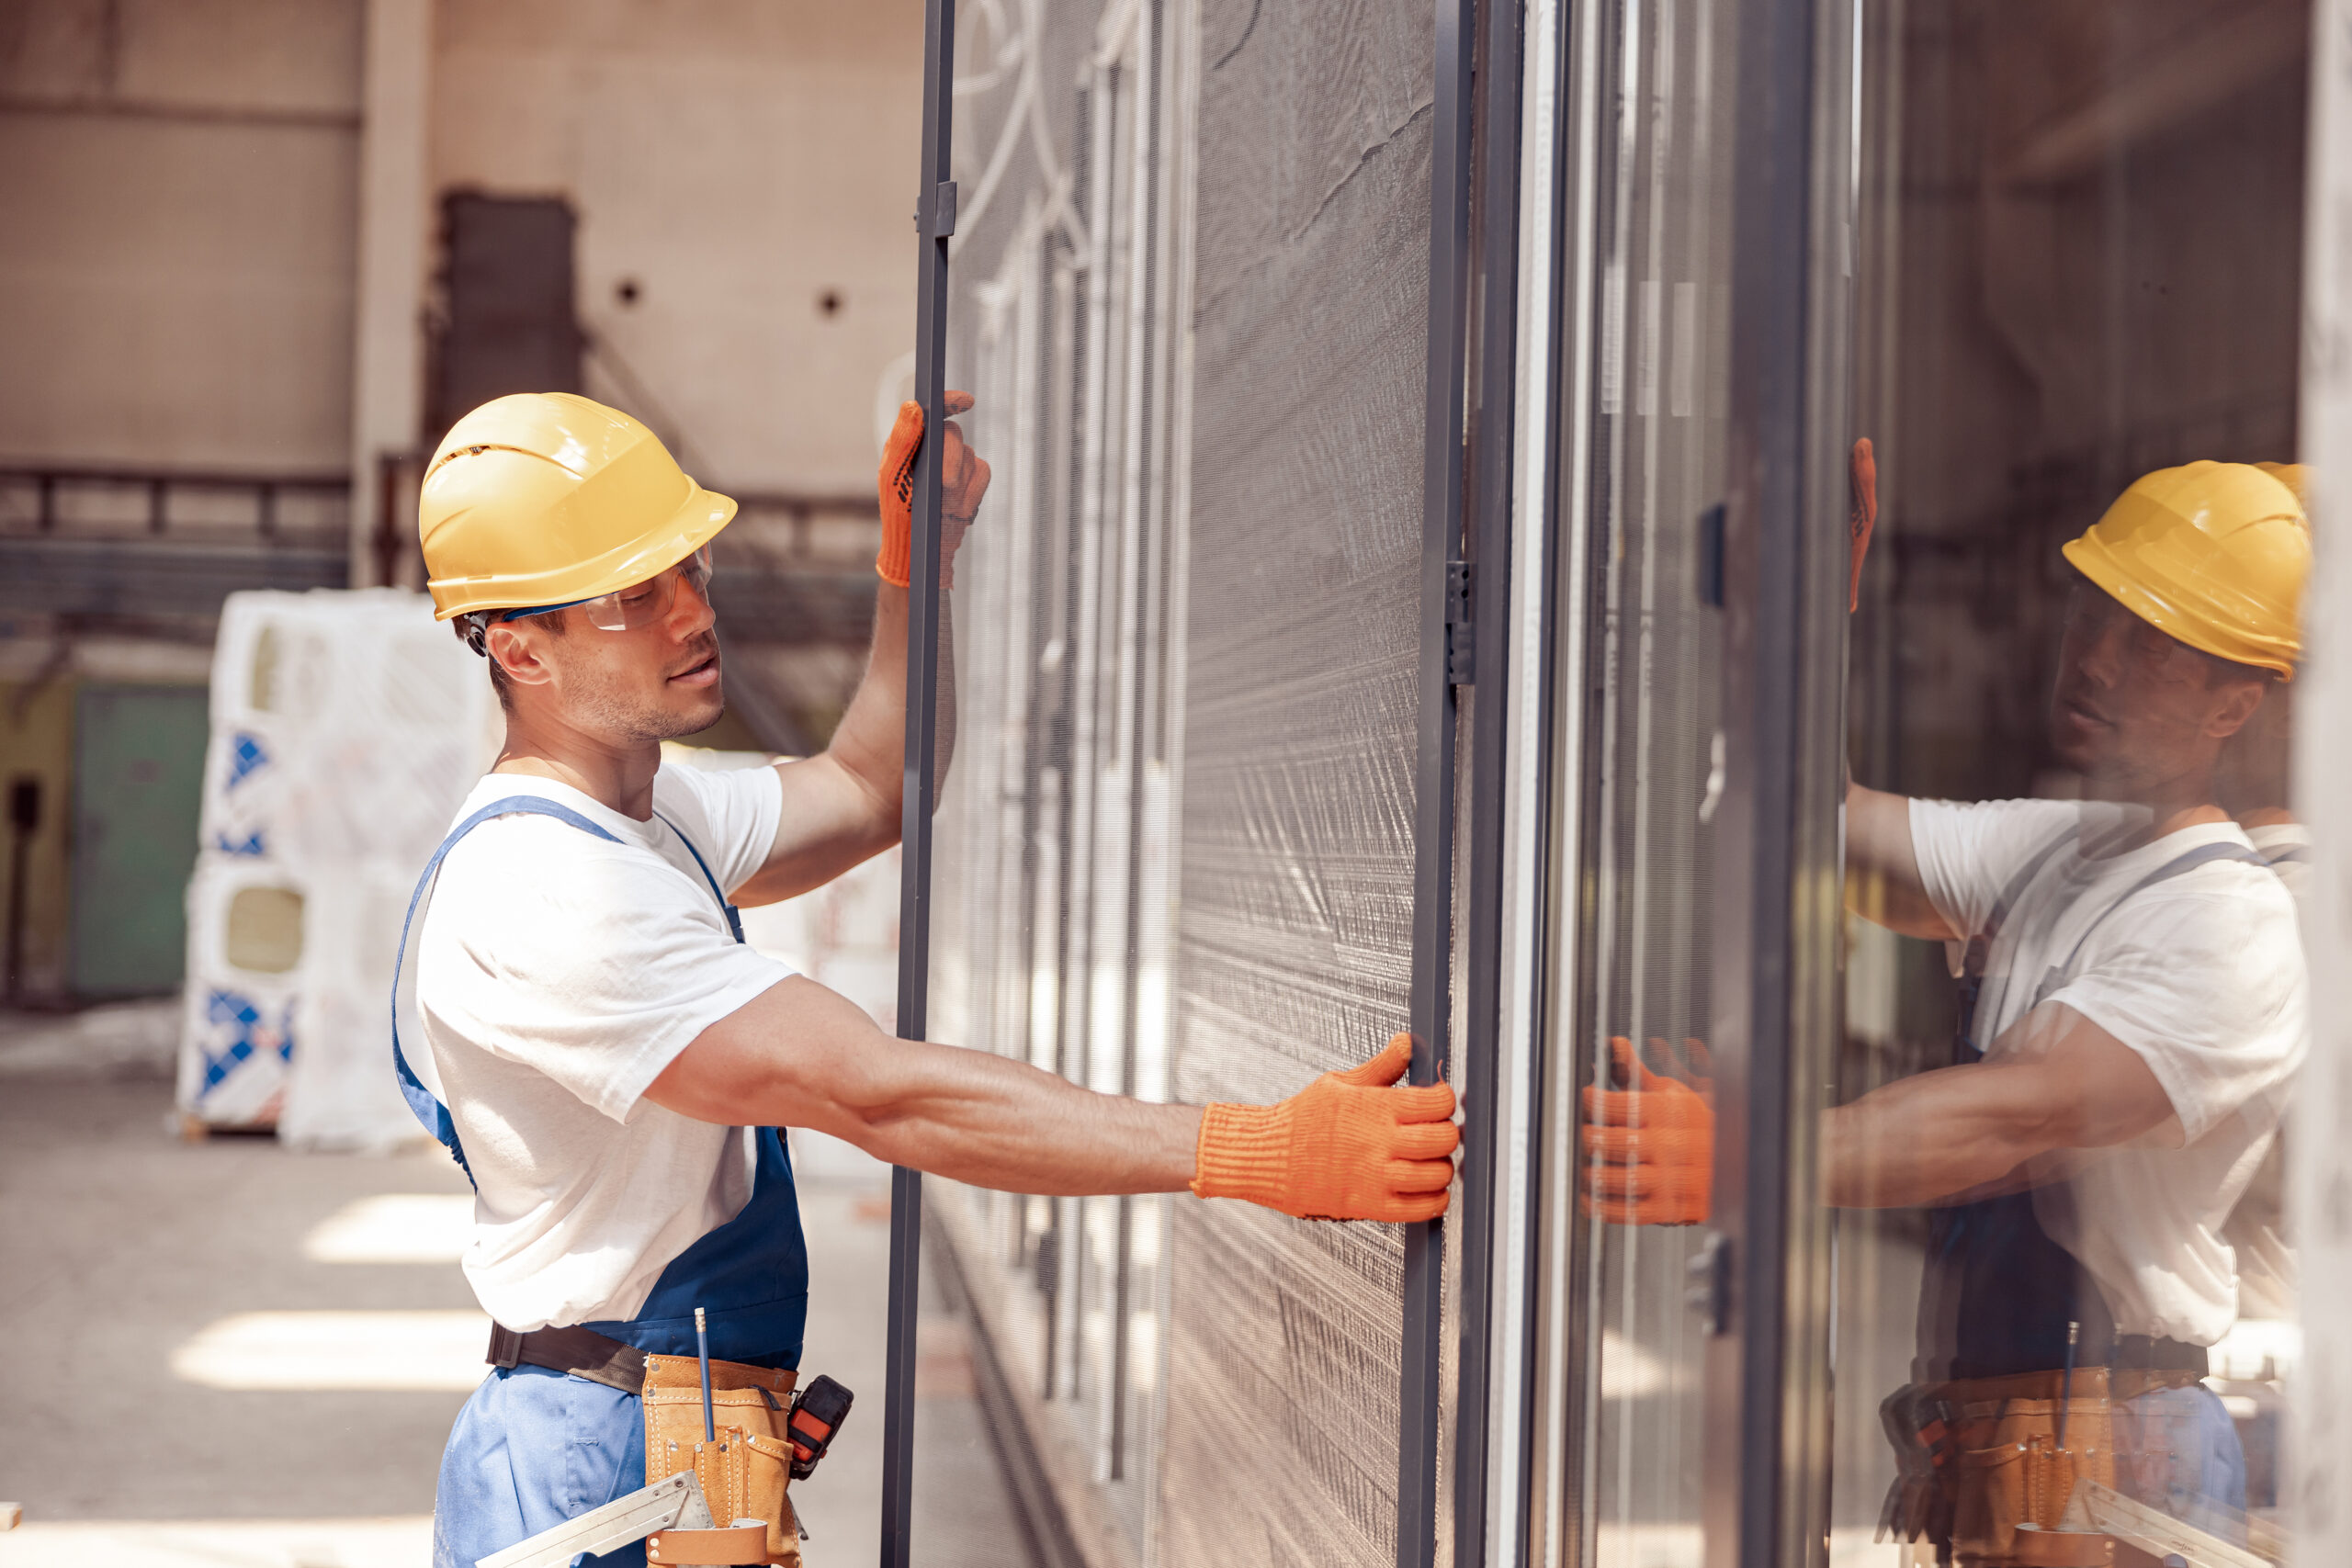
<point>2065,1315</point>
<point>2131,1013</point>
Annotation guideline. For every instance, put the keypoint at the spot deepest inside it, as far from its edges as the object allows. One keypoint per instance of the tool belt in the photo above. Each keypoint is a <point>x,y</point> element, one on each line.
<point>1977,1457</point>
<point>744,1468</point>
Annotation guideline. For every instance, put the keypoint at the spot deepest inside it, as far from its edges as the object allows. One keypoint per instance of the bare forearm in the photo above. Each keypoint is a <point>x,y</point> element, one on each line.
<point>1926,1138</point>
<point>997,1122</point>
<point>842,806</point>
<point>801,1055</point>
<point>1882,880</point>
<point>2057,1082</point>
<point>871,740</point>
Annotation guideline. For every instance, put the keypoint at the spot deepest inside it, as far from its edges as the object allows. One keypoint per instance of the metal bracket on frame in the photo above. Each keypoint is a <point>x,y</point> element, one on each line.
<point>1460,632</point>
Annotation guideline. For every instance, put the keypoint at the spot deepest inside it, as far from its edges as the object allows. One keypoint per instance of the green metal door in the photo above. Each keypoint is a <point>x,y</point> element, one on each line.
<point>138,777</point>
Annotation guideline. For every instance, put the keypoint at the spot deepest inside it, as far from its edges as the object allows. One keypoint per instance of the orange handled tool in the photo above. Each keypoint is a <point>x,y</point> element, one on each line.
<point>1348,1146</point>
<point>963,480</point>
<point>1650,1150</point>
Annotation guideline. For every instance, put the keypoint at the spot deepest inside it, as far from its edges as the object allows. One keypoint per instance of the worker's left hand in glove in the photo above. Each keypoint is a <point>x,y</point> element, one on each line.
<point>963,479</point>
<point>1348,1146</point>
<point>1861,516</point>
<point>1649,1149</point>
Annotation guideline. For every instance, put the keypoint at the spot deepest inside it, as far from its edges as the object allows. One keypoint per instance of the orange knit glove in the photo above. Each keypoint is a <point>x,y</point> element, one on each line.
<point>962,482</point>
<point>1861,516</point>
<point>1345,1148</point>
<point>1650,1150</point>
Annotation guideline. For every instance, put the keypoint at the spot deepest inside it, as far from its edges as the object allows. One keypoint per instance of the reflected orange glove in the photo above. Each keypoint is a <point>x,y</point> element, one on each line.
<point>1862,484</point>
<point>1650,1150</point>
<point>963,479</point>
<point>1345,1148</point>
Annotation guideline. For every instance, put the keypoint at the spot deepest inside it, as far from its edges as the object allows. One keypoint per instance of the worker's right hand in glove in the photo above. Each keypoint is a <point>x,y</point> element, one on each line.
<point>1348,1146</point>
<point>1649,1149</point>
<point>963,480</point>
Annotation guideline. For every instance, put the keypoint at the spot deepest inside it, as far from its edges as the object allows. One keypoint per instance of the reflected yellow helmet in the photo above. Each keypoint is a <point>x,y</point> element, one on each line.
<point>2291,476</point>
<point>545,498</point>
<point>2213,554</point>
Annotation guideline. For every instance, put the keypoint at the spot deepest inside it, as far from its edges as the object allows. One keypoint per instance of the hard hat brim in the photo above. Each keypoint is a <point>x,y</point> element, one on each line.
<point>2094,560</point>
<point>694,524</point>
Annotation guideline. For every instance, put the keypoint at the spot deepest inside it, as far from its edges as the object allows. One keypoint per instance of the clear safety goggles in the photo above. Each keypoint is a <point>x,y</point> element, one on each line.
<point>639,604</point>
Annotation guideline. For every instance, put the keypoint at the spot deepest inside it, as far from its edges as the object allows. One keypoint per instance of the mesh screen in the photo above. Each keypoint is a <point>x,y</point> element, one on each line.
<point>1174,854</point>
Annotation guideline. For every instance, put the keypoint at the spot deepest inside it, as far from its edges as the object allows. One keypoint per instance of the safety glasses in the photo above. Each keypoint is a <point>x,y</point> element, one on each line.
<point>640,605</point>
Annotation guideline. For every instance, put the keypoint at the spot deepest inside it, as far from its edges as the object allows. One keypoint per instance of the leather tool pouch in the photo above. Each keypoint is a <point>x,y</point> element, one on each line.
<point>1984,1459</point>
<point>744,1471</point>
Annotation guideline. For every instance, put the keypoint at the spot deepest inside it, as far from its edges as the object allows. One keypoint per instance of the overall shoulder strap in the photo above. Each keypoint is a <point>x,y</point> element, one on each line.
<point>734,915</point>
<point>2024,879</point>
<point>422,1101</point>
<point>2180,865</point>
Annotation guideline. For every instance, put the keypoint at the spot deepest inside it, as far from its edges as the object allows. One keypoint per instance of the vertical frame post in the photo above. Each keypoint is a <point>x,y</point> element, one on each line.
<point>1443,631</point>
<point>1493,385</point>
<point>936,221</point>
<point>1777,849</point>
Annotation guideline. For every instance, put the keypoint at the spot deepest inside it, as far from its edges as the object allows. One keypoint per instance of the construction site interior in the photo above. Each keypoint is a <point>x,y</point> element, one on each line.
<point>1419,591</point>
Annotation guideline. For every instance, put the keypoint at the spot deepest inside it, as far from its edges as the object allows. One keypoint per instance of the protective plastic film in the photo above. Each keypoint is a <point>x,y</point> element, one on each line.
<point>1052,876</point>
<point>1175,852</point>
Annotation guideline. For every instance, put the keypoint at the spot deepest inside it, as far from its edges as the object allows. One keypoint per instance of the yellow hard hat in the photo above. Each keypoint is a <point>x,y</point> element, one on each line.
<point>2291,476</point>
<point>547,498</point>
<point>2212,554</point>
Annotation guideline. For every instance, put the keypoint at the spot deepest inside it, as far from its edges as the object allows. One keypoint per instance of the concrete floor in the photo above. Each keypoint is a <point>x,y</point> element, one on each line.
<point>127,1258</point>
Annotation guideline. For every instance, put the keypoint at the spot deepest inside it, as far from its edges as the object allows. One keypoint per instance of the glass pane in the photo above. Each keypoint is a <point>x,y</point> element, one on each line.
<point>1647,753</point>
<point>2065,1312</point>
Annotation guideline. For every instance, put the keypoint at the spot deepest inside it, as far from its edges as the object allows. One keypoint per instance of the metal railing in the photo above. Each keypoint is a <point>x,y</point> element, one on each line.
<point>96,540</point>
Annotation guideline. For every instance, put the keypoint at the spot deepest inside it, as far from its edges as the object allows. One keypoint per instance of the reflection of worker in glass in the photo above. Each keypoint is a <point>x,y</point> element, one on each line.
<point>2134,1008</point>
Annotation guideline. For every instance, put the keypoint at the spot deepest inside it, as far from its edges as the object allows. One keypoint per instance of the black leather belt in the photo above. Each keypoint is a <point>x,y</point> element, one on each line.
<point>582,1353</point>
<point>2141,1353</point>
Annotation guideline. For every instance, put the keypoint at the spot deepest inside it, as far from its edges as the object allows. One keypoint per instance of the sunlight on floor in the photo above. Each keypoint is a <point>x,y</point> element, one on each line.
<point>394,1228</point>
<point>384,1350</point>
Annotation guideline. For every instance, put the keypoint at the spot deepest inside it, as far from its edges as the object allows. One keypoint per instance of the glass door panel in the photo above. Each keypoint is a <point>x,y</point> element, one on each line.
<point>1642,528</point>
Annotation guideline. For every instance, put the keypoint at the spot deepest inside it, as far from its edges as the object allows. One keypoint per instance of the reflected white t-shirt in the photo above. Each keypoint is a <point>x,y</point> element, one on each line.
<point>2202,976</point>
<point>556,975</point>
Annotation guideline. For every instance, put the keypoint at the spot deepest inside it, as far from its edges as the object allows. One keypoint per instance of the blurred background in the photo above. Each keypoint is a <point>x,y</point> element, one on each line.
<point>256,256</point>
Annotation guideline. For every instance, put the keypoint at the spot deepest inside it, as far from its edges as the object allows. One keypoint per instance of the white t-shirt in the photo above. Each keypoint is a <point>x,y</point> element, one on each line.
<point>2201,974</point>
<point>556,975</point>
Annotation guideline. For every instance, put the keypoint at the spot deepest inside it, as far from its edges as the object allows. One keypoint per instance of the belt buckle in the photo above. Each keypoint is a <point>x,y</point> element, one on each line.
<point>505,1347</point>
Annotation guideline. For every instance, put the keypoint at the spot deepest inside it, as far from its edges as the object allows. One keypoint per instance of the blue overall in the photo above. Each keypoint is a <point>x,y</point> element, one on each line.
<point>1999,1293</point>
<point>534,1448</point>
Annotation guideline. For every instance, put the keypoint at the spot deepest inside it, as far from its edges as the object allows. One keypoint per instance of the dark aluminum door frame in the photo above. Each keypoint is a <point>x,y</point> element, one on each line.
<point>1465,641</point>
<point>1777,903</point>
<point>935,221</point>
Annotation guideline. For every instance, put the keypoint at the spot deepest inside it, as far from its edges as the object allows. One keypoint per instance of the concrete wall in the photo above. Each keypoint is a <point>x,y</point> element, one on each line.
<point>737,161</point>
<point>181,181</point>
<point>176,262</point>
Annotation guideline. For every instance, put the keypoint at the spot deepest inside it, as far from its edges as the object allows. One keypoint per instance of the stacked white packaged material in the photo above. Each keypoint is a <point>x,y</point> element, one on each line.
<point>346,728</point>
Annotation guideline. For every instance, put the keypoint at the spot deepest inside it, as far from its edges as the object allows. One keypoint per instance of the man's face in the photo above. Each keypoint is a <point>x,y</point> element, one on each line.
<point>2134,708</point>
<point>654,682</point>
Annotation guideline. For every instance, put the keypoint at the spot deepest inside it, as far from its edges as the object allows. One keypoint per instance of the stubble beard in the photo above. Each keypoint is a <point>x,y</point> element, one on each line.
<point>636,717</point>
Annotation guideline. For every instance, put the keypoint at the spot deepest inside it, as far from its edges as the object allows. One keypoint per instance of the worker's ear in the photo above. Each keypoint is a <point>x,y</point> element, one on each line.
<point>516,647</point>
<point>2236,704</point>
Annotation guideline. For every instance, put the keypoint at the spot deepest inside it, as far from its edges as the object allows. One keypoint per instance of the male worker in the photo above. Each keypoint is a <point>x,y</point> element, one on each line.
<point>2133,1012</point>
<point>611,1064</point>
